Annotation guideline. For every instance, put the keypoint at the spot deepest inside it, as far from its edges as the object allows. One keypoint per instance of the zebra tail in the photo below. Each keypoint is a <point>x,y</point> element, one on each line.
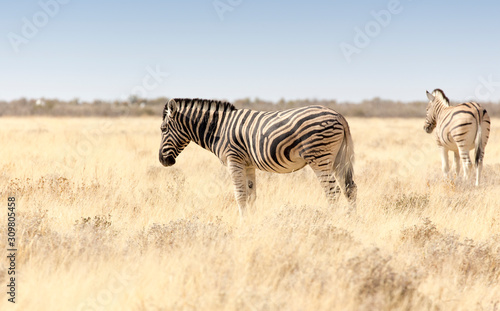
<point>344,161</point>
<point>479,143</point>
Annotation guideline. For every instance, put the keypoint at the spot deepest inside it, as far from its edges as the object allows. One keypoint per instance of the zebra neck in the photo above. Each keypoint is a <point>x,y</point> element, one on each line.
<point>206,127</point>
<point>439,108</point>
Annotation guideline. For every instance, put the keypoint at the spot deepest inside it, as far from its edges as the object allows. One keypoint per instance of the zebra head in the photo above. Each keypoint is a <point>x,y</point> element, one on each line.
<point>436,102</point>
<point>430,119</point>
<point>173,137</point>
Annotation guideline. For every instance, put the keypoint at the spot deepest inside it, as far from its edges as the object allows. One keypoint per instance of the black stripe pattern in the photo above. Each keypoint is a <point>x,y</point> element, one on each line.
<point>459,129</point>
<point>272,141</point>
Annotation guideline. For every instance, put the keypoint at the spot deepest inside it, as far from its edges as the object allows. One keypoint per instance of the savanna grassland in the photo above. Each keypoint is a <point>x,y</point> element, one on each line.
<point>101,225</point>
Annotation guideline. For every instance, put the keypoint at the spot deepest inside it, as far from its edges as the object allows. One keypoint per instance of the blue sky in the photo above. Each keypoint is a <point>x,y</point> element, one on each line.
<point>229,49</point>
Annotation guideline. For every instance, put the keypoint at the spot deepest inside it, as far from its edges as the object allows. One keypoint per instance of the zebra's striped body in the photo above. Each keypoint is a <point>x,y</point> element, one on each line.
<point>459,129</point>
<point>272,141</point>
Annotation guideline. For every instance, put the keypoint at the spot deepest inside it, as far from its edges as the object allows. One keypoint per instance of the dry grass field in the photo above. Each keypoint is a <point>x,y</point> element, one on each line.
<point>101,225</point>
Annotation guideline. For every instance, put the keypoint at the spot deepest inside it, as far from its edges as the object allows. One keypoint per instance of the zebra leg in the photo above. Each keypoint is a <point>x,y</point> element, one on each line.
<point>456,162</point>
<point>251,186</point>
<point>479,168</point>
<point>466,162</point>
<point>328,182</point>
<point>444,160</point>
<point>238,176</point>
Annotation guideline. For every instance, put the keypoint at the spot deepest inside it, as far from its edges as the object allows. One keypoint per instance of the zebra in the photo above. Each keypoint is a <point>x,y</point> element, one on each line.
<point>273,141</point>
<point>459,129</point>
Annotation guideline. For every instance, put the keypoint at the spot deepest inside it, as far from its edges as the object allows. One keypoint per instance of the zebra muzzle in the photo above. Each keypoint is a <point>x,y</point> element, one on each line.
<point>168,161</point>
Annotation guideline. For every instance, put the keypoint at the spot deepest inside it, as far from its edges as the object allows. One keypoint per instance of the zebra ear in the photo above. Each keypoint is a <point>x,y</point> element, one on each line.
<point>171,107</point>
<point>430,96</point>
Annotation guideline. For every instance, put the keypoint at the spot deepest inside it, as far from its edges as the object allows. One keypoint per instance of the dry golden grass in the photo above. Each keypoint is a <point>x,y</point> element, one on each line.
<point>103,226</point>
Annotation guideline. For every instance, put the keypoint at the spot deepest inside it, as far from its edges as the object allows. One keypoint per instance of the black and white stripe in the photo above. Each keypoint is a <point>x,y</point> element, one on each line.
<point>272,141</point>
<point>459,129</point>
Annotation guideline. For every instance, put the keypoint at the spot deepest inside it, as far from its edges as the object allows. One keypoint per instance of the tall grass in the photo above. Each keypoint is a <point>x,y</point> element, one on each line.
<point>103,226</point>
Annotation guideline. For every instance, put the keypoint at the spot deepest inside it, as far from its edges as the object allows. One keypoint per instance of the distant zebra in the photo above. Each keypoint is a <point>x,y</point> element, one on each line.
<point>272,141</point>
<point>459,129</point>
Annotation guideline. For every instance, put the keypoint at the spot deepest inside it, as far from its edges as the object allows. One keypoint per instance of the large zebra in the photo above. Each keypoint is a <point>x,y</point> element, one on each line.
<point>459,129</point>
<point>272,141</point>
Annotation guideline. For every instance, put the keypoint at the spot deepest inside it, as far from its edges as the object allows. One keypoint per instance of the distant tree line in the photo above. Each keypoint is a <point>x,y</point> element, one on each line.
<point>134,106</point>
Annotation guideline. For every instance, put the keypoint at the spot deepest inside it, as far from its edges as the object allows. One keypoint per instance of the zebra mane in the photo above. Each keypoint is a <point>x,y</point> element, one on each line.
<point>440,95</point>
<point>207,104</point>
